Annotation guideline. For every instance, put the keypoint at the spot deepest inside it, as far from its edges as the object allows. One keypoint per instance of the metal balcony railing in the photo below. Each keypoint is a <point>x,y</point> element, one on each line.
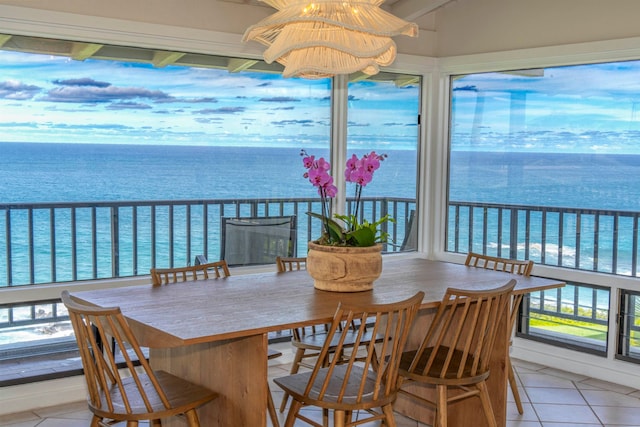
<point>604,241</point>
<point>62,242</point>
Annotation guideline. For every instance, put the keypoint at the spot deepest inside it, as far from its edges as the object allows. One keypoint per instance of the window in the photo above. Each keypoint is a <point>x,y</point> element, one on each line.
<point>544,166</point>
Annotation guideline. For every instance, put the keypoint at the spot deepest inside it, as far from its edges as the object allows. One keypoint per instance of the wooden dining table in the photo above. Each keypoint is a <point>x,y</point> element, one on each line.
<point>214,332</point>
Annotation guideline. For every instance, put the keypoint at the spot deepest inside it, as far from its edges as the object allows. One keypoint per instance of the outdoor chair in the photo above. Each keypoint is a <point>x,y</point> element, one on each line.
<point>456,350</point>
<point>513,266</point>
<point>257,240</point>
<point>127,392</point>
<point>208,270</point>
<point>367,385</point>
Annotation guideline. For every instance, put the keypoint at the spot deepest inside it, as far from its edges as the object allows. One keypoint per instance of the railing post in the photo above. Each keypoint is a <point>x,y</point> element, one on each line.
<point>7,226</point>
<point>115,242</point>
<point>513,234</point>
<point>384,210</point>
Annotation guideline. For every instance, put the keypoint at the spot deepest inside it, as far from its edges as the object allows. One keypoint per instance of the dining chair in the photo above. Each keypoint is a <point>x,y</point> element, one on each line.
<point>126,392</point>
<point>368,385</point>
<point>208,270</point>
<point>285,264</point>
<point>456,350</point>
<point>513,266</point>
<point>309,341</point>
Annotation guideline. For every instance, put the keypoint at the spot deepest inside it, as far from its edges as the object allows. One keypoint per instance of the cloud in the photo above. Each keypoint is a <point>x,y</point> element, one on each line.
<point>85,81</point>
<point>208,120</point>
<point>17,91</point>
<point>30,125</point>
<point>358,125</point>
<point>92,94</point>
<point>467,88</point>
<point>293,122</point>
<point>223,110</point>
<point>279,99</point>
<point>128,106</point>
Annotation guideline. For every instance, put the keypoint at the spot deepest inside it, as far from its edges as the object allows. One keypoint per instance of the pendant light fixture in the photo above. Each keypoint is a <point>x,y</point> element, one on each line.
<point>322,38</point>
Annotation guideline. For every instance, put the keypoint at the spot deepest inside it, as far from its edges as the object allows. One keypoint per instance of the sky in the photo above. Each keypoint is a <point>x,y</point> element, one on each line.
<point>56,99</point>
<point>588,108</point>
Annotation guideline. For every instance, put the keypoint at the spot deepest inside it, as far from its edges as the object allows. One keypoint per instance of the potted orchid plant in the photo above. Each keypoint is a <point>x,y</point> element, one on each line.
<point>350,232</point>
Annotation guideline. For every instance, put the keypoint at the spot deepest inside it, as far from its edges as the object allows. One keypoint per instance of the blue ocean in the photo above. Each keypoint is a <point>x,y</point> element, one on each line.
<point>35,172</point>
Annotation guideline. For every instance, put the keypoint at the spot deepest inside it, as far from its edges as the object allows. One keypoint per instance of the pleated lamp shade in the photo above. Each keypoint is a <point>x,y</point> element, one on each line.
<point>328,37</point>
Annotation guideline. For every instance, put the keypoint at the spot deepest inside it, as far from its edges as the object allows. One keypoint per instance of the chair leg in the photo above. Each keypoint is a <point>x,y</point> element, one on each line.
<point>389,419</point>
<point>192,418</point>
<point>486,404</point>
<point>156,423</point>
<point>95,421</point>
<point>272,409</point>
<point>132,424</point>
<point>295,365</point>
<point>514,386</point>
<point>441,406</point>
<point>293,412</point>
<point>339,418</point>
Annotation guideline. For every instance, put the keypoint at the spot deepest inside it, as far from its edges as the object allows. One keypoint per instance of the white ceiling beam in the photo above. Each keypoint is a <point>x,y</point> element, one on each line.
<point>162,58</point>
<point>82,51</point>
<point>406,81</point>
<point>235,65</point>
<point>4,38</point>
<point>413,9</point>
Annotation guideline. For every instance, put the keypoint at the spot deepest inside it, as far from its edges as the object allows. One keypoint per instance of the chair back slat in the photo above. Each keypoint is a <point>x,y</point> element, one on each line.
<point>210,270</point>
<point>374,375</point>
<point>521,267</point>
<point>460,339</point>
<point>513,266</point>
<point>285,264</point>
<point>94,326</point>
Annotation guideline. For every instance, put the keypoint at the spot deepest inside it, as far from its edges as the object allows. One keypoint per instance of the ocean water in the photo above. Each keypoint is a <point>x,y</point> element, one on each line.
<point>31,173</point>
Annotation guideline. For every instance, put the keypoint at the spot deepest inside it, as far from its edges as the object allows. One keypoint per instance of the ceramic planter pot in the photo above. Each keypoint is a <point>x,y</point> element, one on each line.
<point>344,269</point>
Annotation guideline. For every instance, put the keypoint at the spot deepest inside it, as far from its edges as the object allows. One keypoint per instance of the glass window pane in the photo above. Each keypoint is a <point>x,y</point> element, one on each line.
<point>383,117</point>
<point>555,150</point>
<point>543,166</point>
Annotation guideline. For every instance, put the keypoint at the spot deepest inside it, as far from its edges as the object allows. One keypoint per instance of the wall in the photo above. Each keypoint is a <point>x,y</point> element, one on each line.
<point>481,26</point>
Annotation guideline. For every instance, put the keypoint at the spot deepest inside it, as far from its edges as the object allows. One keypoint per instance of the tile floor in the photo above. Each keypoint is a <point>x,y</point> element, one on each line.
<point>551,398</point>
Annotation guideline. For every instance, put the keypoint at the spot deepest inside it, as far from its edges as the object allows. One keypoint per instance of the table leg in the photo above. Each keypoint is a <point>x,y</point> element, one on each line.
<point>237,369</point>
<point>467,412</point>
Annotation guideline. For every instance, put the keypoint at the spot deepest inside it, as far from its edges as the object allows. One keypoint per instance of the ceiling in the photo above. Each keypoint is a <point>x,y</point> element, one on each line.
<point>412,10</point>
